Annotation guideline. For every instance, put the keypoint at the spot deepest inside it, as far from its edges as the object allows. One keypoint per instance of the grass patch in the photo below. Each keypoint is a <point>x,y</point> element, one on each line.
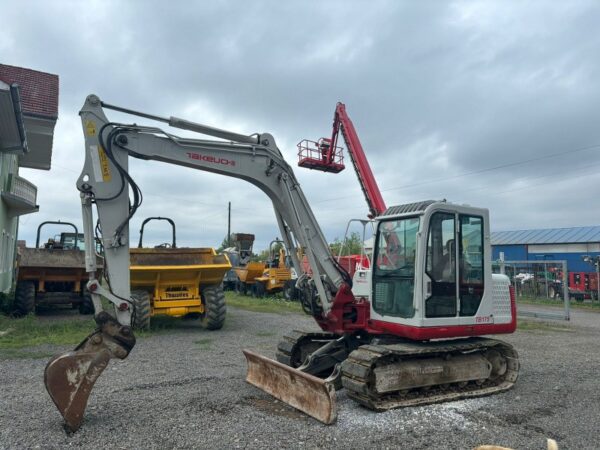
<point>6,302</point>
<point>276,305</point>
<point>534,326</point>
<point>13,353</point>
<point>30,331</point>
<point>204,343</point>
<point>558,303</point>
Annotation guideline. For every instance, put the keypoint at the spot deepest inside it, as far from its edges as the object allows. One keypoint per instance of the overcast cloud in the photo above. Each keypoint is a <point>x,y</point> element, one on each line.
<point>488,103</point>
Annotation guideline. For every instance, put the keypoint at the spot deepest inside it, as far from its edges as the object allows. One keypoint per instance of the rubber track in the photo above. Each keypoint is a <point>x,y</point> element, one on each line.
<point>358,375</point>
<point>293,341</point>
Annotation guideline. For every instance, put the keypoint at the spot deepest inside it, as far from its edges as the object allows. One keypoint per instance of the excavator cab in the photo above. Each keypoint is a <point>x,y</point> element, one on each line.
<point>429,271</point>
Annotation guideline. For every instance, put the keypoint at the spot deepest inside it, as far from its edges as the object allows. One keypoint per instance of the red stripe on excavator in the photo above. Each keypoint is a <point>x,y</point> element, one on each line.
<point>427,333</point>
<point>345,301</point>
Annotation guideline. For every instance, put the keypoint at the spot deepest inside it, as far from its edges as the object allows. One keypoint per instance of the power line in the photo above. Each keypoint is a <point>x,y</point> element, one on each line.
<point>529,186</point>
<point>474,172</point>
<point>501,166</point>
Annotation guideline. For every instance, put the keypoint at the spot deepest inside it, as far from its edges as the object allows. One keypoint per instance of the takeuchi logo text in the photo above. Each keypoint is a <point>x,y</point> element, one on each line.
<point>211,159</point>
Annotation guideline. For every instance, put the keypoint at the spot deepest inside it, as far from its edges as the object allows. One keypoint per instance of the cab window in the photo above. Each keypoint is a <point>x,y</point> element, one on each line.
<point>394,271</point>
<point>471,267</point>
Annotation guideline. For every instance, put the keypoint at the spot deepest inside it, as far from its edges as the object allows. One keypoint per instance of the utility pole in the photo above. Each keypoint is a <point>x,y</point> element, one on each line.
<point>229,224</point>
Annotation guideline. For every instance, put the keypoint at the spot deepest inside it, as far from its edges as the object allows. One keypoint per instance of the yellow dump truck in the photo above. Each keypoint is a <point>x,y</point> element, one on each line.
<point>172,281</point>
<point>247,276</point>
<point>276,276</point>
<point>53,273</point>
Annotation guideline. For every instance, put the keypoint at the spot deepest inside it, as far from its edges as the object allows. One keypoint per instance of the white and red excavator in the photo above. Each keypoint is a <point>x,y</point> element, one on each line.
<point>415,339</point>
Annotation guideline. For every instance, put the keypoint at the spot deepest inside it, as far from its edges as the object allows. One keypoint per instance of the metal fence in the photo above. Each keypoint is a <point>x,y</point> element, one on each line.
<point>539,287</point>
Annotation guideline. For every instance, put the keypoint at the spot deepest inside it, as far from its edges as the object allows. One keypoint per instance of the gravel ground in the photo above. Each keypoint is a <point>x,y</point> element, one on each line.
<point>187,390</point>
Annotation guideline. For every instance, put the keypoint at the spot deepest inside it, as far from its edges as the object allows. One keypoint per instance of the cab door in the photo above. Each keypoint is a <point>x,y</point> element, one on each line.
<point>453,282</point>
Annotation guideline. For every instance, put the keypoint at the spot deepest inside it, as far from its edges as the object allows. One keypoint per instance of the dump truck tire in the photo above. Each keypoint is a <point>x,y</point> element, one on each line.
<point>259,290</point>
<point>141,312</point>
<point>25,297</point>
<point>215,309</point>
<point>87,305</point>
<point>241,288</point>
<point>289,290</point>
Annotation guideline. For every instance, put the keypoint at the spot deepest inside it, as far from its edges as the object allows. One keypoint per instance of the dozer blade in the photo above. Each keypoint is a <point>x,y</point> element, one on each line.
<point>305,392</point>
<point>70,377</point>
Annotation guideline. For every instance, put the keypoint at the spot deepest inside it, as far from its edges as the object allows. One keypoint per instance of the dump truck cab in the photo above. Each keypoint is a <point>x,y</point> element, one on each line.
<point>72,241</point>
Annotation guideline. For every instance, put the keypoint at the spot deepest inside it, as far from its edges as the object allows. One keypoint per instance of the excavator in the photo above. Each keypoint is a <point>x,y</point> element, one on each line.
<point>415,339</point>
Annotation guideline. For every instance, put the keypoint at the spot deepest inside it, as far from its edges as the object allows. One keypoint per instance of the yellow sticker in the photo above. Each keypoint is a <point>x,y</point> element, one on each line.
<point>104,164</point>
<point>90,128</point>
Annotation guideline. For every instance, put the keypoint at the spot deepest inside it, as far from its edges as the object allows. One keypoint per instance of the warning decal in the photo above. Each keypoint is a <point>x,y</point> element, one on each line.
<point>104,165</point>
<point>90,128</point>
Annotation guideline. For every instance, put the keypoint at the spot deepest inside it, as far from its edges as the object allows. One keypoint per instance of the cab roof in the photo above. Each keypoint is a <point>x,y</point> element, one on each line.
<point>418,207</point>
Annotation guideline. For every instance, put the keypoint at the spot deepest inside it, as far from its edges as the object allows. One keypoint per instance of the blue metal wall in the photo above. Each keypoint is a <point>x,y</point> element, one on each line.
<point>519,253</point>
<point>574,261</point>
<point>511,252</point>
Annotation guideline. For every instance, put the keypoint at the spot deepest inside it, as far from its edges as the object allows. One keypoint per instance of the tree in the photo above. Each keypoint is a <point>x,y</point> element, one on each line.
<point>223,245</point>
<point>353,245</point>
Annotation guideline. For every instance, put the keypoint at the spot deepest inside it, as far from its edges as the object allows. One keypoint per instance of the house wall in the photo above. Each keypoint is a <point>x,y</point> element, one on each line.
<point>8,225</point>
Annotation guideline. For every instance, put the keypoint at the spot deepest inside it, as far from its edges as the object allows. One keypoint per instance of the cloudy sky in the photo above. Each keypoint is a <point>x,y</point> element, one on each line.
<point>488,103</point>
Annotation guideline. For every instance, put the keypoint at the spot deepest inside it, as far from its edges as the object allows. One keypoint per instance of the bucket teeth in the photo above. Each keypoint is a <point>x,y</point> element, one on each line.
<point>303,391</point>
<point>70,377</point>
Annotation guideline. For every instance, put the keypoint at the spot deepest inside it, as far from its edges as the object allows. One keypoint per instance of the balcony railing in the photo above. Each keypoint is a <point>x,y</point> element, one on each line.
<point>21,196</point>
<point>24,189</point>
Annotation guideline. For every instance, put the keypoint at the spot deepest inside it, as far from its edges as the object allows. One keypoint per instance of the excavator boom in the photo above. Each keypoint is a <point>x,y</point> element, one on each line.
<point>105,182</point>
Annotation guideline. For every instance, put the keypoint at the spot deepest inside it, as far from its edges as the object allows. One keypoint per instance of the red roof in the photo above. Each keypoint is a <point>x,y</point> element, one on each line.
<point>39,90</point>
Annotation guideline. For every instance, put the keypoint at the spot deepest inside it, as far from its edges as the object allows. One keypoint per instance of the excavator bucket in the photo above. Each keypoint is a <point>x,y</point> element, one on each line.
<point>305,392</point>
<point>70,377</point>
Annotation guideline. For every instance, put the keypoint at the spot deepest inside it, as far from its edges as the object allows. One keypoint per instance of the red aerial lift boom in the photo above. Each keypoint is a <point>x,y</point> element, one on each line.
<point>326,156</point>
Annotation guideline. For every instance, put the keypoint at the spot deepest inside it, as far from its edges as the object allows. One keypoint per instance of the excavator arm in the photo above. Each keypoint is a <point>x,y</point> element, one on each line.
<point>105,181</point>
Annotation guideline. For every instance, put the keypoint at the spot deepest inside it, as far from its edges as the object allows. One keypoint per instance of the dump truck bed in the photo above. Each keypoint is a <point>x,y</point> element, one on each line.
<point>177,264</point>
<point>37,264</point>
<point>41,257</point>
<point>248,273</point>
